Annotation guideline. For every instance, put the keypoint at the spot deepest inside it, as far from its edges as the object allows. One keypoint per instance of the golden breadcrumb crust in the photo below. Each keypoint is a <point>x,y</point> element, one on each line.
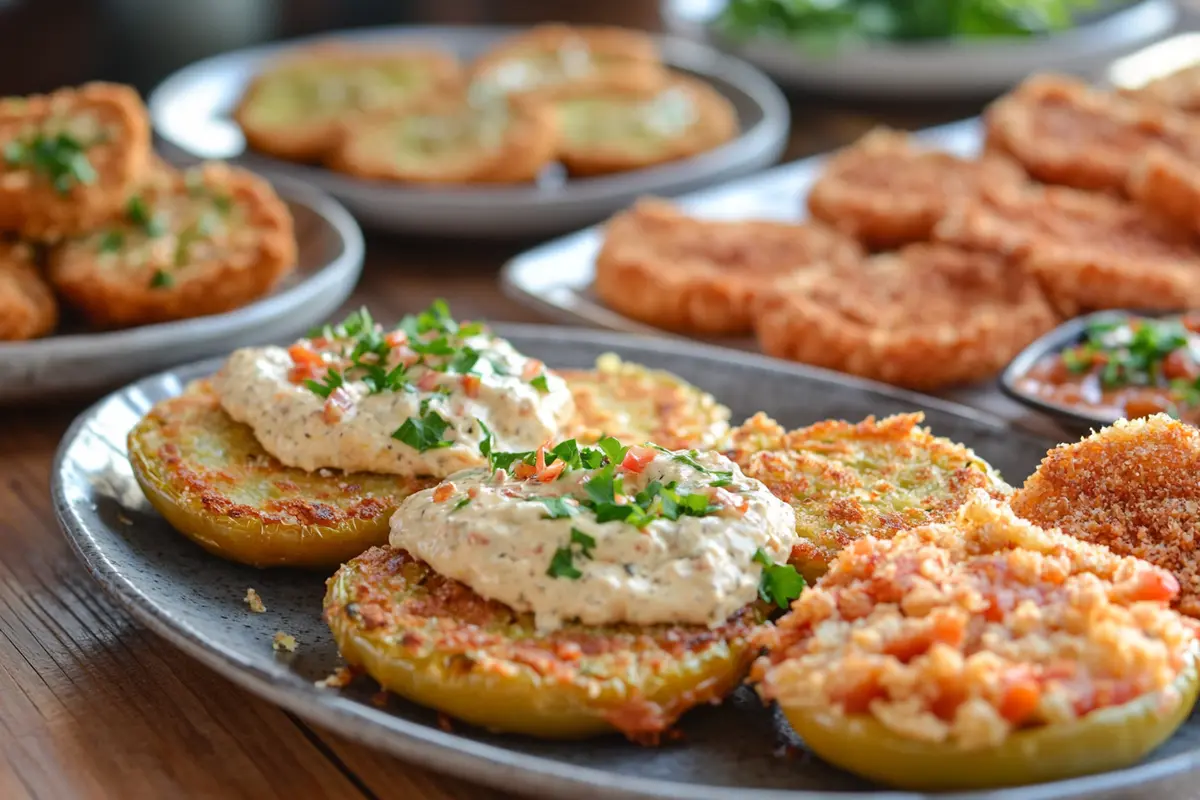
<point>27,305</point>
<point>925,317</point>
<point>662,267</point>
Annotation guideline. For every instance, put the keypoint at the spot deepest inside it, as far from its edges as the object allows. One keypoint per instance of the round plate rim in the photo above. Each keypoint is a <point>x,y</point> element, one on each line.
<point>492,764</point>
<point>767,134</point>
<point>132,341</point>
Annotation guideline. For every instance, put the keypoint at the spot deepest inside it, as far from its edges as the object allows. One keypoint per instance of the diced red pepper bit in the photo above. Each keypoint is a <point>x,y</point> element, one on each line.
<point>532,369</point>
<point>443,492</point>
<point>636,458</point>
<point>470,385</point>
<point>336,406</point>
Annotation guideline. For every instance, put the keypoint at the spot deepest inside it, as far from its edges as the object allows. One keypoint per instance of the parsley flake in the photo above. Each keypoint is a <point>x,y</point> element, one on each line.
<point>332,380</point>
<point>424,433</point>
<point>780,583</point>
<point>557,507</point>
<point>61,158</point>
<point>562,565</point>
<point>112,241</point>
<point>540,384</point>
<point>161,280</point>
<point>461,504</point>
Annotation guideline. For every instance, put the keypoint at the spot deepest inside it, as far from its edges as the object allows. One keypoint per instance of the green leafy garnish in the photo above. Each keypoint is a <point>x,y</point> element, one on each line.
<point>326,386</point>
<point>423,433</point>
<point>61,158</point>
<point>461,504</point>
<point>203,227</point>
<point>161,280</point>
<point>112,241</point>
<point>780,583</point>
<point>557,507</point>
<point>138,212</point>
<point>540,384</point>
<point>562,565</point>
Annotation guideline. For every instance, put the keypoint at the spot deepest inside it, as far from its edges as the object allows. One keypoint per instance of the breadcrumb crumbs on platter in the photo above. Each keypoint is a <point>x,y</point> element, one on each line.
<point>283,641</point>
<point>254,602</point>
<point>967,631</point>
<point>340,678</point>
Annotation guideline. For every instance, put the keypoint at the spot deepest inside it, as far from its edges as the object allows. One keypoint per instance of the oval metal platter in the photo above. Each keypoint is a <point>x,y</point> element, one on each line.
<point>740,749</point>
<point>191,113</point>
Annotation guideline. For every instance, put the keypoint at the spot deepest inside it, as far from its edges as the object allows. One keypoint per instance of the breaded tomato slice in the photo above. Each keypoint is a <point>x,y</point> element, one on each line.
<point>664,268</point>
<point>1131,487</point>
<point>846,481</point>
<point>553,56</point>
<point>296,108</point>
<point>887,191</point>
<point>69,159</point>
<point>188,244</point>
<point>451,140</point>
<point>1180,90</point>
<point>210,478</point>
<point>27,305</point>
<point>1088,251</point>
<point>1064,131</point>
<point>622,124</point>
<point>434,641</point>
<point>982,652</point>
<point>924,317</point>
<point>1169,185</point>
<point>634,404</point>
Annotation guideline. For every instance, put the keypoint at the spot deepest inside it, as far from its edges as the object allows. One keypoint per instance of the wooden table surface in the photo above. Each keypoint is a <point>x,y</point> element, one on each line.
<point>93,705</point>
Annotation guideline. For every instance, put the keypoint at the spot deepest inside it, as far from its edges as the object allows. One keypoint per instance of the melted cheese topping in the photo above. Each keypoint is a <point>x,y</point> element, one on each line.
<point>496,534</point>
<point>357,429</point>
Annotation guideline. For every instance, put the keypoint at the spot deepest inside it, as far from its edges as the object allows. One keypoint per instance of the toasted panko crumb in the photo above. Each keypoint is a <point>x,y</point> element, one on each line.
<point>254,601</point>
<point>339,679</point>
<point>966,631</point>
<point>1133,487</point>
<point>283,641</point>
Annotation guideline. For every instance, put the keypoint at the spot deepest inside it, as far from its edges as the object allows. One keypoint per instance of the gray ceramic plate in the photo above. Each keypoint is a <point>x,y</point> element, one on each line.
<point>556,277</point>
<point>935,69</point>
<point>330,254</point>
<point>195,601</point>
<point>191,112</point>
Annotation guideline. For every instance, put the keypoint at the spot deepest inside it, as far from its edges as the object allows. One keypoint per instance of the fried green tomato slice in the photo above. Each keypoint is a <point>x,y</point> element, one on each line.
<point>210,478</point>
<point>436,642</point>
<point>633,403</point>
<point>850,480</point>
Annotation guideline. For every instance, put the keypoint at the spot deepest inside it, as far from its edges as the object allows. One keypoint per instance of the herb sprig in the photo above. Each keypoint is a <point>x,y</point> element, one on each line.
<point>62,158</point>
<point>780,583</point>
<point>562,565</point>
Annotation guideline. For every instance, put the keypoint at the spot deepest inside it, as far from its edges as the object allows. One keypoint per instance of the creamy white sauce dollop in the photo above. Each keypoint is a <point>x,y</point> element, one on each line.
<point>353,430</point>
<point>493,533</point>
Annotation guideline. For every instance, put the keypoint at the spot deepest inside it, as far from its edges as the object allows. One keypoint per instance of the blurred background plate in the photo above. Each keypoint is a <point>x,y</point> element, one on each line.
<point>191,113</point>
<point>939,69</point>
<point>330,259</point>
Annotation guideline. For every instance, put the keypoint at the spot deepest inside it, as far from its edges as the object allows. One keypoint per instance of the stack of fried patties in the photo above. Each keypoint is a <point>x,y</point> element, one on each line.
<point>90,216</point>
<point>1082,200</point>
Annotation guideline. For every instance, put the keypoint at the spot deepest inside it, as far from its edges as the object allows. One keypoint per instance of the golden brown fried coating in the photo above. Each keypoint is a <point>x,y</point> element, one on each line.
<point>553,56</point>
<point>1063,131</point>
<point>451,140</point>
<point>925,317</point>
<point>27,305</point>
<point>846,481</point>
<point>1179,90</point>
<point>621,124</point>
<point>1088,251</point>
<point>69,159</point>
<point>1132,487</point>
<point>667,269</point>
<point>886,191</point>
<point>207,241</point>
<point>1169,185</point>
<point>296,108</point>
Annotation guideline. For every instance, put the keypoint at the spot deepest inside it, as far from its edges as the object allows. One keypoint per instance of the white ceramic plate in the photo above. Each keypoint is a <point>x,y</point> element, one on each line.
<point>330,259</point>
<point>937,69</point>
<point>191,113</point>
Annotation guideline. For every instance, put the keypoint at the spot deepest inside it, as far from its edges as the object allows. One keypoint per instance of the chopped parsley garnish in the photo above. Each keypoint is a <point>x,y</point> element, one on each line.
<point>723,477</point>
<point>138,212</point>
<point>223,203</point>
<point>112,241</point>
<point>557,507</point>
<point>61,158</point>
<point>540,384</point>
<point>161,280</point>
<point>326,386</point>
<point>562,565</point>
<point>1127,353</point>
<point>203,227</point>
<point>780,583</point>
<point>423,433</point>
<point>461,504</point>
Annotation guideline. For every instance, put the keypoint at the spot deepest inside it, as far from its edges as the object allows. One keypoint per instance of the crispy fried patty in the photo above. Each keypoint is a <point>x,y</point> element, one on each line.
<point>846,481</point>
<point>213,481</point>
<point>435,641</point>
